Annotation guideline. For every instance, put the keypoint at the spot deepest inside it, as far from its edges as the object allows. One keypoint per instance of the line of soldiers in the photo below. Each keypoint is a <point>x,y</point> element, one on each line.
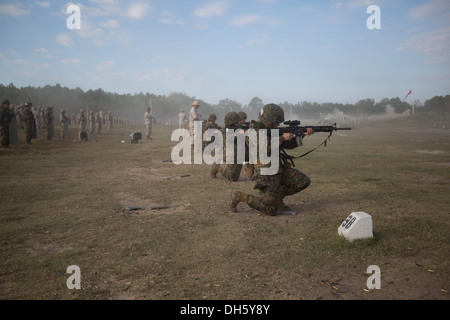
<point>25,116</point>
<point>14,117</point>
<point>272,188</point>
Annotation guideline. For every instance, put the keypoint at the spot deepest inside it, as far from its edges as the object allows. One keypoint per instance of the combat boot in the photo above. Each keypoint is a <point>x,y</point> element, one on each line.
<point>282,205</point>
<point>235,198</point>
<point>214,169</point>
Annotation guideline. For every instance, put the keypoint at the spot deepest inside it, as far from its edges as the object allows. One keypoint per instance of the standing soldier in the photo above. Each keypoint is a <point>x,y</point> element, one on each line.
<point>18,112</point>
<point>30,124</point>
<point>64,123</point>
<point>148,123</point>
<point>182,120</point>
<point>91,120</point>
<point>109,121</point>
<point>50,123</point>
<point>5,119</point>
<point>42,117</point>
<point>13,127</point>
<point>37,116</point>
<point>98,122</point>
<point>82,121</point>
<point>193,116</point>
<point>287,181</point>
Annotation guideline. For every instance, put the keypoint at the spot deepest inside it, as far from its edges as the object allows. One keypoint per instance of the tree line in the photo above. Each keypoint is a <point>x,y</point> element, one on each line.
<point>132,106</point>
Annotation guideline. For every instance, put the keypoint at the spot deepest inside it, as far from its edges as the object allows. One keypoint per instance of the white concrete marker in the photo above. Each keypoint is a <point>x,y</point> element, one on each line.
<point>358,225</point>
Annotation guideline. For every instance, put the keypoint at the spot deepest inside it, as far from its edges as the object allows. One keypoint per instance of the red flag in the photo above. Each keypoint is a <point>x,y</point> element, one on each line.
<point>407,95</point>
<point>149,101</point>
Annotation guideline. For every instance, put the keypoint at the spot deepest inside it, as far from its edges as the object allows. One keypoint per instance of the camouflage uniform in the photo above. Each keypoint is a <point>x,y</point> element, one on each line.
<point>49,122</point>
<point>82,121</point>
<point>242,115</point>
<point>5,118</point>
<point>148,123</point>
<point>230,172</point>
<point>64,123</point>
<point>273,188</point>
<point>210,125</point>
<point>30,124</point>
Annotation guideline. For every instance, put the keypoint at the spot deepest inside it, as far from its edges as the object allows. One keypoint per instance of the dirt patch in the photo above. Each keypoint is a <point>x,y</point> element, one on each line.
<point>431,151</point>
<point>134,205</point>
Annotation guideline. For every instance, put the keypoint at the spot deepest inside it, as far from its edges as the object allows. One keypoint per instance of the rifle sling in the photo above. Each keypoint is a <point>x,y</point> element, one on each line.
<point>291,158</point>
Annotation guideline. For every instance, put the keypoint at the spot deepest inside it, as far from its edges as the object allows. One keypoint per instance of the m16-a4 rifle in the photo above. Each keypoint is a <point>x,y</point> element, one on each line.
<point>293,126</point>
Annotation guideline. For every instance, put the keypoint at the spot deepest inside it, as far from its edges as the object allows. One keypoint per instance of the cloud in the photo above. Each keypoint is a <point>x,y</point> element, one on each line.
<point>71,61</point>
<point>104,72</point>
<point>163,75</point>
<point>104,66</point>
<point>22,61</point>
<point>44,4</point>
<point>431,8</point>
<point>138,11</point>
<point>248,19</point>
<point>13,9</point>
<point>245,20</point>
<point>261,40</point>
<point>212,9</point>
<point>65,39</point>
<point>434,44</point>
<point>170,18</point>
<point>41,50</point>
<point>110,24</point>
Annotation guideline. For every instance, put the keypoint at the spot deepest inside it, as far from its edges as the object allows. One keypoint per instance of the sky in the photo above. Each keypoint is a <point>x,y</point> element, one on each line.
<point>277,50</point>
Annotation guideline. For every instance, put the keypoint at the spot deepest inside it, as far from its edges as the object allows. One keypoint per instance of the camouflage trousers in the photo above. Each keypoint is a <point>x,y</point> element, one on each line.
<point>273,188</point>
<point>230,172</point>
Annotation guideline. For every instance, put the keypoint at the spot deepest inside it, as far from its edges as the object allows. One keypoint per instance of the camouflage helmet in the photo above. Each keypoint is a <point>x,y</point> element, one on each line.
<point>242,115</point>
<point>271,114</point>
<point>212,117</point>
<point>231,118</point>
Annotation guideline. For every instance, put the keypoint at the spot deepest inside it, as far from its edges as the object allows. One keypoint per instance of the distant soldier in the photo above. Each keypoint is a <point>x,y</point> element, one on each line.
<point>148,123</point>
<point>42,114</point>
<point>30,124</point>
<point>91,120</point>
<point>193,116</point>
<point>63,123</point>
<point>50,123</point>
<point>18,115</point>
<point>82,121</point>
<point>182,119</point>
<point>109,121</point>
<point>37,116</point>
<point>212,122</point>
<point>13,127</point>
<point>232,171</point>
<point>98,122</point>
<point>5,118</point>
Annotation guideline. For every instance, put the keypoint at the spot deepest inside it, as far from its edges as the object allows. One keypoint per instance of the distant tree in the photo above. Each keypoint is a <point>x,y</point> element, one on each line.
<point>255,105</point>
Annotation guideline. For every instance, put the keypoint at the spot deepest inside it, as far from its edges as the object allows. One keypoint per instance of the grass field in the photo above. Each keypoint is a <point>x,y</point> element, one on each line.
<point>63,203</point>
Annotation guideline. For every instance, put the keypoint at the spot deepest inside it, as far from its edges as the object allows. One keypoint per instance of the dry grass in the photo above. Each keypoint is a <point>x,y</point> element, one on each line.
<point>63,203</point>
